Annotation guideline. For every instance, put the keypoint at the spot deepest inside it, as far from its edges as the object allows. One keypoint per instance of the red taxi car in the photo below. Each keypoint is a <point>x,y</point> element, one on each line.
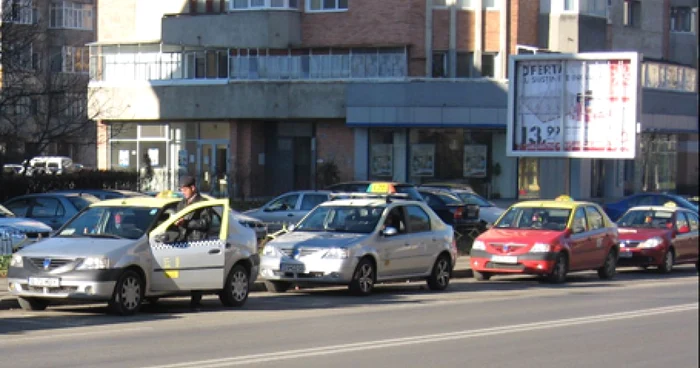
<point>547,238</point>
<point>658,236</point>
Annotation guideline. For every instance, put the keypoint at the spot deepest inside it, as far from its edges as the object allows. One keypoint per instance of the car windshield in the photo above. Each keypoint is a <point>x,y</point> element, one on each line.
<point>4,212</point>
<point>647,219</point>
<point>471,198</point>
<point>82,201</point>
<point>348,219</point>
<point>537,218</point>
<point>111,222</point>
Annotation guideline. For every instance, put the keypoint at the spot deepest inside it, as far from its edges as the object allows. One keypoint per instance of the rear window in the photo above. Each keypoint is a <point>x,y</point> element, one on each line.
<point>79,202</point>
<point>410,190</point>
<point>449,199</point>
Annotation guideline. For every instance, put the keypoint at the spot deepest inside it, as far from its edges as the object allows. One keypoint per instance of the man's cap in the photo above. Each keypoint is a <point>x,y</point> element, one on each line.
<point>187,181</point>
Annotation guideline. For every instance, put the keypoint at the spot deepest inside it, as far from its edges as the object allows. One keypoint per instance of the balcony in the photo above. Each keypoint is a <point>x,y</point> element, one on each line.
<point>254,28</point>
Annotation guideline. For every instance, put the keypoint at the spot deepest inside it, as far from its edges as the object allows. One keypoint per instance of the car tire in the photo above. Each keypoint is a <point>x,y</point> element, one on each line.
<point>128,294</point>
<point>669,259</point>
<point>32,304</point>
<point>277,286</point>
<point>561,267</point>
<point>237,287</point>
<point>363,278</point>
<point>481,276</point>
<point>608,269</point>
<point>439,278</point>
<point>697,266</point>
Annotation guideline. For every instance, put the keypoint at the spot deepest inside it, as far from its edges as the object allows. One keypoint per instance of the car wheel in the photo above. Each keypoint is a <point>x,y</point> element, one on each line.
<point>236,289</point>
<point>607,270</point>
<point>33,304</point>
<point>481,276</point>
<point>128,294</point>
<point>669,260</point>
<point>697,266</point>
<point>439,279</point>
<point>558,274</point>
<point>277,286</point>
<point>363,278</point>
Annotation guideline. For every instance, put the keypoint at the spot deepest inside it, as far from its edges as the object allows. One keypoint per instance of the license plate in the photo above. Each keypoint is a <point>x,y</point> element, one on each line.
<point>625,254</point>
<point>292,267</point>
<point>504,259</point>
<point>44,281</point>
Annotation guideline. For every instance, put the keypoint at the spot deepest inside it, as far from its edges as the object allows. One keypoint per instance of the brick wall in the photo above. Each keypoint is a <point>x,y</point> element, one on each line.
<point>526,14</point>
<point>336,142</point>
<point>492,24</point>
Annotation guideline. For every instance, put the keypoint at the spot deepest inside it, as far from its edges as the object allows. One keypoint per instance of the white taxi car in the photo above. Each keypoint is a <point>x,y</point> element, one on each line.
<point>359,241</point>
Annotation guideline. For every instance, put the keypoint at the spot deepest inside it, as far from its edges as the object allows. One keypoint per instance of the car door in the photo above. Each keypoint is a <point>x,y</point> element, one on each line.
<point>694,235</point>
<point>598,236</point>
<point>20,207</point>
<point>683,238</point>
<point>579,243</point>
<point>422,242</point>
<point>181,265</point>
<point>48,210</point>
<point>280,211</point>
<point>392,249</point>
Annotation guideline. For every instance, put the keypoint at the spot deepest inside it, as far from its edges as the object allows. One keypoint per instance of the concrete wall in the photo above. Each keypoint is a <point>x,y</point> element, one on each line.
<point>563,33</point>
<point>648,38</point>
<point>684,48</point>
<point>240,100</point>
<point>592,32</point>
<point>669,111</point>
<point>245,29</point>
<point>133,20</point>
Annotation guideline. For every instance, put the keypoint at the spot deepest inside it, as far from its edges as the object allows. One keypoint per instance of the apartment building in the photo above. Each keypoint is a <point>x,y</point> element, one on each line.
<point>45,71</point>
<point>258,97</point>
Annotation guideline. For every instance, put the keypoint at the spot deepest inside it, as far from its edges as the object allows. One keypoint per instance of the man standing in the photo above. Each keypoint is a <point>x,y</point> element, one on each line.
<point>195,225</point>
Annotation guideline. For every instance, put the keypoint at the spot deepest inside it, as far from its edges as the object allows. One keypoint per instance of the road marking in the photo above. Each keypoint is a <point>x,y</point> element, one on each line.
<point>422,339</point>
<point>14,338</point>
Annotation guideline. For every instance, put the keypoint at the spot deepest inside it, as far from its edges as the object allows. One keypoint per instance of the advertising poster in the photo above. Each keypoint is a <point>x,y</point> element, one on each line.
<point>583,105</point>
<point>422,160</point>
<point>475,160</point>
<point>382,160</point>
<point>123,158</point>
<point>153,155</point>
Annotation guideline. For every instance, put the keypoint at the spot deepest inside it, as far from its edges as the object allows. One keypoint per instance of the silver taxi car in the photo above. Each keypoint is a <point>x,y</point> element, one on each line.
<point>124,251</point>
<point>360,241</point>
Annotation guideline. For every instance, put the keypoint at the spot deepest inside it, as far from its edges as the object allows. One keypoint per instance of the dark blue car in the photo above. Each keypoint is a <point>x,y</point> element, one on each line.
<point>617,209</point>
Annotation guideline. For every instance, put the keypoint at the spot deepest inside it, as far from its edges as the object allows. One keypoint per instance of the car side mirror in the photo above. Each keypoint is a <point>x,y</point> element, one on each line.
<point>390,231</point>
<point>683,230</point>
<point>291,227</point>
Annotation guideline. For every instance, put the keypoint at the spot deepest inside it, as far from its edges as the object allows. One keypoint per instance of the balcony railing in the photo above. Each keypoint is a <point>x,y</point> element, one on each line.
<point>669,77</point>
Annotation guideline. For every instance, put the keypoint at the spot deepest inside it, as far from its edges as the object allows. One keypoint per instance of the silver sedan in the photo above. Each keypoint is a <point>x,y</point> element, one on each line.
<point>359,242</point>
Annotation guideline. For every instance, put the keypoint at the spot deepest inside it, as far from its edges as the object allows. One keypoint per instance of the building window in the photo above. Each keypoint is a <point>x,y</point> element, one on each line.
<point>67,14</point>
<point>681,19</point>
<point>326,5</point>
<point>569,5</point>
<point>262,4</point>
<point>465,64</point>
<point>20,56</point>
<point>18,11</point>
<point>597,8</point>
<point>382,165</point>
<point>440,64</point>
<point>490,4</point>
<point>69,59</point>
<point>488,65</point>
<point>528,176</point>
<point>632,13</point>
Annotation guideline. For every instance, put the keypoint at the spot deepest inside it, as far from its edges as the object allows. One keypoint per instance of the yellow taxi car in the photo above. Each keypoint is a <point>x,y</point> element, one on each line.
<point>548,238</point>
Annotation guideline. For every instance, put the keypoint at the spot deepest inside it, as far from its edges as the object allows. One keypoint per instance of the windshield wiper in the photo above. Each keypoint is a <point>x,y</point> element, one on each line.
<point>104,236</point>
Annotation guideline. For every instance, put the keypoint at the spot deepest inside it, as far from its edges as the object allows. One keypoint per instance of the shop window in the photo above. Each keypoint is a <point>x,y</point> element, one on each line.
<point>488,65</point>
<point>154,131</point>
<point>123,155</point>
<point>155,151</point>
<point>123,131</point>
<point>528,177</point>
<point>381,154</point>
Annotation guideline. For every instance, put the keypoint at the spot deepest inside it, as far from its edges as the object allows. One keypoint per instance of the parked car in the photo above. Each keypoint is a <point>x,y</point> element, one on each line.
<point>451,209</point>
<point>488,212</point>
<point>51,165</point>
<point>450,186</point>
<point>53,209</point>
<point>549,239</point>
<point>359,242</point>
<point>617,209</point>
<point>17,232</point>
<point>12,169</point>
<point>103,194</point>
<point>365,186</point>
<point>288,208</point>
<point>659,236</point>
<point>125,251</point>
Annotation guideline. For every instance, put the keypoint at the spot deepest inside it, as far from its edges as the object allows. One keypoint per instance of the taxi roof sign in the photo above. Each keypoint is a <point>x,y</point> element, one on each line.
<point>670,204</point>
<point>564,198</point>
<point>167,194</point>
<point>381,187</point>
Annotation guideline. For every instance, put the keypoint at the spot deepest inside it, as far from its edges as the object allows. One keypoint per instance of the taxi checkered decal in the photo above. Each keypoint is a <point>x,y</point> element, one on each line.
<point>192,244</point>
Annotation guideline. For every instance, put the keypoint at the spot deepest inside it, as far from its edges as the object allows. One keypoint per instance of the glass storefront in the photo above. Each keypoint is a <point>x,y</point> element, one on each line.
<point>528,178</point>
<point>656,166</point>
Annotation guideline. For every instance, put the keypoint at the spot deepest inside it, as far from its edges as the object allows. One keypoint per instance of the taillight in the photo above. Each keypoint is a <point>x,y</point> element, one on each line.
<point>458,213</point>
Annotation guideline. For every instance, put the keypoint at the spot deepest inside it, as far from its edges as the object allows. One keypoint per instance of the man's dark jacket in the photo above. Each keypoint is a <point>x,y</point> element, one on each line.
<point>197,223</point>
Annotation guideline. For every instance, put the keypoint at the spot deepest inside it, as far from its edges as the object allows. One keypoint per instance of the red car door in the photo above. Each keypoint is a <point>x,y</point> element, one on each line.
<point>579,242</point>
<point>683,239</point>
<point>694,249</point>
<point>598,237</point>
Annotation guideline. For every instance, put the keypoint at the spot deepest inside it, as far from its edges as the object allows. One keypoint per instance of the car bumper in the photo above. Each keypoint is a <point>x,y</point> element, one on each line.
<point>530,263</point>
<point>79,285</point>
<point>330,271</point>
<point>640,256</point>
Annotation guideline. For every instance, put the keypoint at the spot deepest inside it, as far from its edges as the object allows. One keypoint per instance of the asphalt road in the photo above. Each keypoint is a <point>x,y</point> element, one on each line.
<point>638,320</point>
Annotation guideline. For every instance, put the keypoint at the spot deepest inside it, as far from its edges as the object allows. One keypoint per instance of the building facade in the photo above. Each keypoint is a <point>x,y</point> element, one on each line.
<point>44,72</point>
<point>258,97</point>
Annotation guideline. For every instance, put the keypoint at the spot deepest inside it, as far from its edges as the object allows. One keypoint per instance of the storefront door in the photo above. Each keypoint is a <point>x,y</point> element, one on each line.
<point>213,167</point>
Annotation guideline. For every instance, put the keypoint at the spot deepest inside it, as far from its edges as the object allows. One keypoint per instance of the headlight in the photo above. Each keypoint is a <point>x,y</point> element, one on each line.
<point>540,248</point>
<point>10,233</point>
<point>16,261</point>
<point>651,243</point>
<point>93,263</point>
<point>270,251</point>
<point>478,245</point>
<point>337,253</point>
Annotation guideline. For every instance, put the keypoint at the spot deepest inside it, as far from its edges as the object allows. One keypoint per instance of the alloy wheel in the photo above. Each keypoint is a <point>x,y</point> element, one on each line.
<point>239,285</point>
<point>130,294</point>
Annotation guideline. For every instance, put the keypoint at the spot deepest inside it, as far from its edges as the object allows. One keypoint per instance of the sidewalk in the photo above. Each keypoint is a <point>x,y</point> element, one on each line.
<point>8,301</point>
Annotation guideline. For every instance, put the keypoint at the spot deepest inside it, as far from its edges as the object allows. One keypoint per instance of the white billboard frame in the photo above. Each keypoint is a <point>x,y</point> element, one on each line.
<point>630,123</point>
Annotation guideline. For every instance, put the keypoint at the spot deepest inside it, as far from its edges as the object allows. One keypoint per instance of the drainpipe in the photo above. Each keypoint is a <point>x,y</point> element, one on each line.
<point>452,71</point>
<point>503,37</point>
<point>428,38</point>
<point>478,36</point>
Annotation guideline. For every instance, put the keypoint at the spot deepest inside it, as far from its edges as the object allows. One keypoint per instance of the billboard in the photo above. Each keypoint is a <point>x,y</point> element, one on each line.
<point>573,105</point>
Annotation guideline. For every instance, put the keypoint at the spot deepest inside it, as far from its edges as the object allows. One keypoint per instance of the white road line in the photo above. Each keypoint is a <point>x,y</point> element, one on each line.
<point>11,339</point>
<point>422,339</point>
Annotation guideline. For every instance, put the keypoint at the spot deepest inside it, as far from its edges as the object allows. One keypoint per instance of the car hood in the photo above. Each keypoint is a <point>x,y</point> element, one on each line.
<point>25,225</point>
<point>252,210</point>
<point>519,236</point>
<point>243,217</point>
<point>490,214</point>
<point>74,247</point>
<point>635,234</point>
<point>317,239</point>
